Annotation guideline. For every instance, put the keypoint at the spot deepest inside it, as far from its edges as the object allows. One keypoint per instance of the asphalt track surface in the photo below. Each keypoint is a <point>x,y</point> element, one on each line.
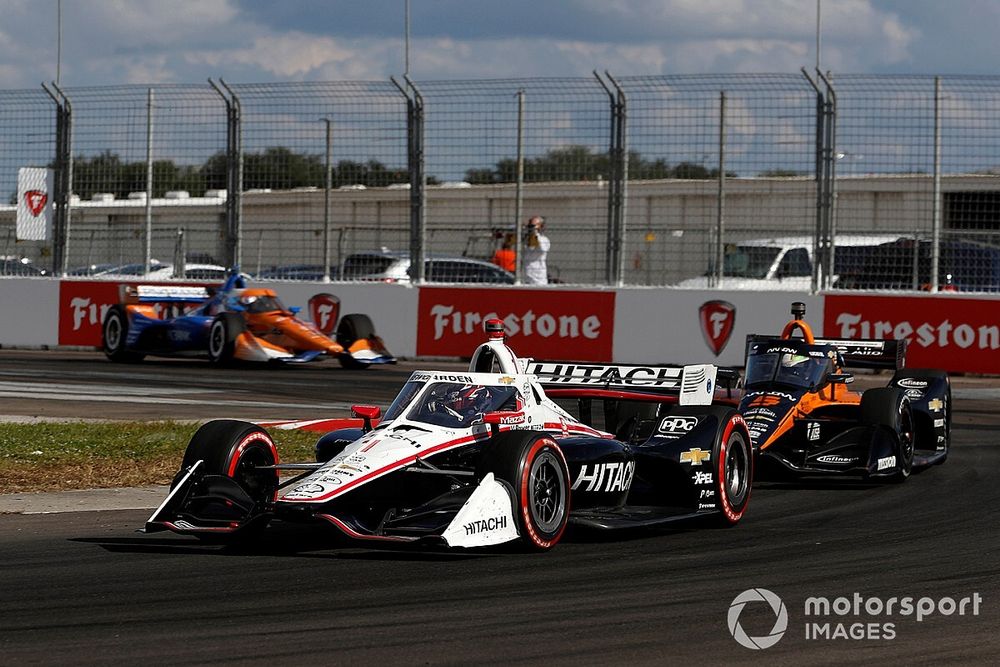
<point>84,588</point>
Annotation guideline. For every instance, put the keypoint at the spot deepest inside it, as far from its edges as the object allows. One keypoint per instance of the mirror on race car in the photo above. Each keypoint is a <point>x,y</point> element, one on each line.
<point>368,413</point>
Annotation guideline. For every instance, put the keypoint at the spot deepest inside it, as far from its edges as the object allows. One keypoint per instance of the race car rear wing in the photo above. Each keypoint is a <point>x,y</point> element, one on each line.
<point>866,353</point>
<point>869,353</point>
<point>163,294</point>
<point>689,385</point>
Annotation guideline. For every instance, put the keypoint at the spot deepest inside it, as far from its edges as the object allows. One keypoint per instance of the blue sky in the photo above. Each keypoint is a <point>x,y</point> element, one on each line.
<point>109,42</point>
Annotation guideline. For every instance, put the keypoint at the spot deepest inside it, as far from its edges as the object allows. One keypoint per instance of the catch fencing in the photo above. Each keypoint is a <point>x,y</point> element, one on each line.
<point>801,181</point>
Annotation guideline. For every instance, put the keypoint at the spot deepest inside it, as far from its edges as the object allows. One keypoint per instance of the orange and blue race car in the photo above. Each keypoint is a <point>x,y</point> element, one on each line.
<point>234,323</point>
<point>805,421</point>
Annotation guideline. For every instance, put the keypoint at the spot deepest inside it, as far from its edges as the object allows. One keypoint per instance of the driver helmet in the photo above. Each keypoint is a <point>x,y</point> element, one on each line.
<point>793,360</point>
<point>469,400</point>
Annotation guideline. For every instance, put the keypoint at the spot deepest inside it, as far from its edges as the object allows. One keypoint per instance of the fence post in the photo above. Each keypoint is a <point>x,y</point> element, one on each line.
<point>720,221</point>
<point>830,173</point>
<point>936,219</point>
<point>234,174</point>
<point>519,194</point>
<point>613,273</point>
<point>418,179</point>
<point>328,184</point>
<point>820,182</point>
<point>64,178</point>
<point>148,250</point>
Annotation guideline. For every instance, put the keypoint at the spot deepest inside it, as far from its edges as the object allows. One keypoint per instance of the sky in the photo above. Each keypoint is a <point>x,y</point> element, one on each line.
<point>111,42</point>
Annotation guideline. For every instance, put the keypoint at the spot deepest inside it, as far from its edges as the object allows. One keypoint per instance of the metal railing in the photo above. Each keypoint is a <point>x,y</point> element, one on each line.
<point>791,181</point>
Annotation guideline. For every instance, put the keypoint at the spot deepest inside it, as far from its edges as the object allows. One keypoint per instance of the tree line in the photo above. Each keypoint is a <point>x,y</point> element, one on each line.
<point>281,168</point>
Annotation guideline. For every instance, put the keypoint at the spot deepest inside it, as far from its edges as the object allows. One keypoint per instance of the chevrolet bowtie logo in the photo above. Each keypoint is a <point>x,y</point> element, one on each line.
<point>506,379</point>
<point>695,456</point>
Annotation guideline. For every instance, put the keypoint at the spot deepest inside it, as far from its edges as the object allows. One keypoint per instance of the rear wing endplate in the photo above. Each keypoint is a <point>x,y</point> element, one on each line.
<point>692,385</point>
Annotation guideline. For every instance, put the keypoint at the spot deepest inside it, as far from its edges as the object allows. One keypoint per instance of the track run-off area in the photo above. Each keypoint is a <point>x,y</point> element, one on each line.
<point>84,587</point>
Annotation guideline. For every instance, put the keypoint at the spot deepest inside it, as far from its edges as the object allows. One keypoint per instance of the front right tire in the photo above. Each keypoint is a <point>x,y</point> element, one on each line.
<point>532,464</point>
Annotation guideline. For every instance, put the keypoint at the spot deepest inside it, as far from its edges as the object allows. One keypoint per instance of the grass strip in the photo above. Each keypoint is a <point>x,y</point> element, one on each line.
<point>57,456</point>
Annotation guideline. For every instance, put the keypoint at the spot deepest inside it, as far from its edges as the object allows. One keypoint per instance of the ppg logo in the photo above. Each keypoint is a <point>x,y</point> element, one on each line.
<point>678,424</point>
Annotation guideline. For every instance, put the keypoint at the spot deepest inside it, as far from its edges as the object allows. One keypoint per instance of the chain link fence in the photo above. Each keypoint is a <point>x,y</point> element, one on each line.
<point>777,181</point>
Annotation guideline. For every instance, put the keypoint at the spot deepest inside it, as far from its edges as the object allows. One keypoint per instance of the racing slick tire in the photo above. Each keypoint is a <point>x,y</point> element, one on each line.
<point>222,335</point>
<point>535,468</point>
<point>233,449</point>
<point>733,457</point>
<point>114,335</point>
<point>887,406</point>
<point>945,408</point>
<point>351,328</point>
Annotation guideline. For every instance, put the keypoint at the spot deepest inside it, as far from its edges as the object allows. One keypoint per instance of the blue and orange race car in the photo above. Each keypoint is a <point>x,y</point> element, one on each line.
<point>234,323</point>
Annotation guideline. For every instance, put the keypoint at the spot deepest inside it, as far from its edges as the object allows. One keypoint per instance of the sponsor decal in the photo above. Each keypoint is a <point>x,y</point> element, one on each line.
<point>307,490</point>
<point>676,424</point>
<point>943,332</point>
<point>695,456</point>
<point>717,319</point>
<point>517,418</point>
<point>566,324</point>
<point>912,383</point>
<point>706,506</point>
<point>707,493</point>
<point>935,405</point>
<point>781,350</point>
<point>606,477</point>
<point>913,394</point>
<point>485,525</point>
<point>887,462</point>
<point>702,478</point>
<point>582,374</point>
<point>35,200</point>
<point>938,423</point>
<point>812,431</point>
<point>324,310</point>
<point>506,379</point>
<point>771,395</point>
<point>836,459</point>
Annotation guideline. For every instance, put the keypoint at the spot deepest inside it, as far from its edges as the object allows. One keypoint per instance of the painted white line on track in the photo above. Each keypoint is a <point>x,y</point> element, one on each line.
<point>166,400</point>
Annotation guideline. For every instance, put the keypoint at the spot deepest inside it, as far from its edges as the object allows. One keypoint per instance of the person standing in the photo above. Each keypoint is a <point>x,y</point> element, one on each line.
<point>505,257</point>
<point>535,252</point>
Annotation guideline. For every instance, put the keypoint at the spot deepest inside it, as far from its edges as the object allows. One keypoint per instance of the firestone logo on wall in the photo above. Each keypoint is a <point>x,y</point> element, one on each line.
<point>547,324</point>
<point>82,305</point>
<point>958,335</point>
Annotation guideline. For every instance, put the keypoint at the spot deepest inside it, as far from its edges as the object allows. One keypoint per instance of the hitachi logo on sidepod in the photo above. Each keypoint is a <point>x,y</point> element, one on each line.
<point>528,323</point>
<point>924,334</point>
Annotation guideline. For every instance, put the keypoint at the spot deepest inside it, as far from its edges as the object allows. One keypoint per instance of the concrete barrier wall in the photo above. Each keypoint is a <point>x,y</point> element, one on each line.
<point>958,333</point>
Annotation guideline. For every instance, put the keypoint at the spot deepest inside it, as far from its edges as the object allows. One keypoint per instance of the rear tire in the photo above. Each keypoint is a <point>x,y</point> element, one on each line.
<point>222,335</point>
<point>535,468</point>
<point>888,406</point>
<point>114,336</point>
<point>353,327</point>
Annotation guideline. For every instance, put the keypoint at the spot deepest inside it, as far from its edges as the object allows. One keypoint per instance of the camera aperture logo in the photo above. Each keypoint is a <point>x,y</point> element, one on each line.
<point>780,621</point>
<point>856,617</point>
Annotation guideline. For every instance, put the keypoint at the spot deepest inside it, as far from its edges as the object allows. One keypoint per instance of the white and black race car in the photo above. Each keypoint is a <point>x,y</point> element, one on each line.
<point>485,457</point>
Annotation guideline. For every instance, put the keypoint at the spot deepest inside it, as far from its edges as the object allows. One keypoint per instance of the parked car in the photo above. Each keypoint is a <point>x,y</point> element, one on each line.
<point>782,263</point>
<point>304,272</point>
<point>394,267</point>
<point>964,266</point>
<point>19,266</point>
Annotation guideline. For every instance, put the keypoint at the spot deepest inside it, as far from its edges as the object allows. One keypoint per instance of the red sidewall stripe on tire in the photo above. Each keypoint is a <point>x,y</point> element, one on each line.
<point>529,460</point>
<point>727,509</point>
<point>234,458</point>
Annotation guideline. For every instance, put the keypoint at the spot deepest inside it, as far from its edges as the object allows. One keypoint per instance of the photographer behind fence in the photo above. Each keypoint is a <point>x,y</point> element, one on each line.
<point>535,252</point>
